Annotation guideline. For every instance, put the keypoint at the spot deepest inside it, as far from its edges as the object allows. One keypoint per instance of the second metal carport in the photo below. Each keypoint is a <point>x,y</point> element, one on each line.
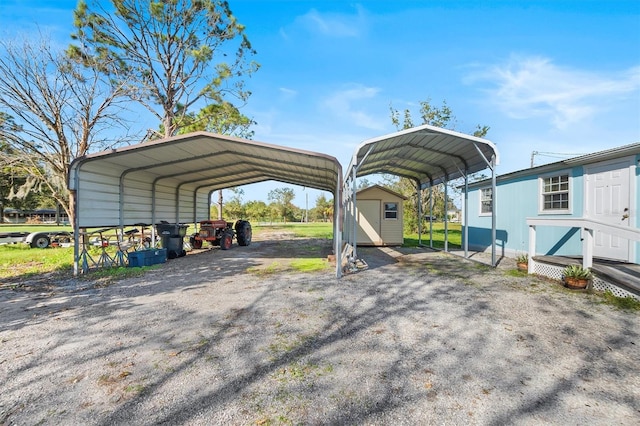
<point>428,156</point>
<point>173,179</point>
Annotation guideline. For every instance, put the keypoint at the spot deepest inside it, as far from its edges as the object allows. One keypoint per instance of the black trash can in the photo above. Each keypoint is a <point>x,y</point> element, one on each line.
<point>172,238</point>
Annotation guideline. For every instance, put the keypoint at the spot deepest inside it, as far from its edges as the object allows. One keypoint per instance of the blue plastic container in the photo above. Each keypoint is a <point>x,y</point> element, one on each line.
<point>147,257</point>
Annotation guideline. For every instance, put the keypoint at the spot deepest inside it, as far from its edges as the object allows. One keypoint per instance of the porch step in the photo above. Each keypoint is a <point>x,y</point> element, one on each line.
<point>623,275</point>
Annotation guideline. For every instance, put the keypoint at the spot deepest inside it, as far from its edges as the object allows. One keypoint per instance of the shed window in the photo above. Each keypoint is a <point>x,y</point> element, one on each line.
<point>555,193</point>
<point>486,197</point>
<point>390,210</point>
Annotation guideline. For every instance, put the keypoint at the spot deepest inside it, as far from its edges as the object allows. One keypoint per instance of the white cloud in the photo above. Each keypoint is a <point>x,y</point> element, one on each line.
<point>288,93</point>
<point>333,24</point>
<point>526,87</point>
<point>342,104</point>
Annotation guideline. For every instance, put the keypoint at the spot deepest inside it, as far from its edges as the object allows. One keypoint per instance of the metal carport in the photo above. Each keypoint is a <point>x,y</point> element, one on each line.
<point>427,155</point>
<point>172,179</point>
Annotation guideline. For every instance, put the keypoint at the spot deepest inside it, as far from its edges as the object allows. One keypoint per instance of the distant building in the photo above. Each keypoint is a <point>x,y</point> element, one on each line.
<point>41,215</point>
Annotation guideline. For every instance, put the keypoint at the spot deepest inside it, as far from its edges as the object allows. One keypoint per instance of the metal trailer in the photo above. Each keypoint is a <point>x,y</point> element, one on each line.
<point>40,239</point>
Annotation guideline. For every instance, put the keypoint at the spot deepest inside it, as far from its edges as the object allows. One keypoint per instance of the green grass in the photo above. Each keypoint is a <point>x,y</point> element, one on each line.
<point>270,269</point>
<point>516,273</point>
<point>106,276</point>
<point>454,234</point>
<point>300,230</point>
<point>20,259</point>
<point>34,228</point>
<point>312,264</point>
<point>625,303</point>
<point>325,230</point>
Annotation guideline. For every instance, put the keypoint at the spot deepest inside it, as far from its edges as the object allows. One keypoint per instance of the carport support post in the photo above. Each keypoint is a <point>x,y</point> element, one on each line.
<point>354,170</point>
<point>493,210</point>
<point>121,206</point>
<point>492,165</point>
<point>466,214</point>
<point>446,215</point>
<point>153,213</point>
<point>337,222</point>
<point>419,198</point>
<point>75,194</point>
<point>353,230</point>
<point>431,214</point>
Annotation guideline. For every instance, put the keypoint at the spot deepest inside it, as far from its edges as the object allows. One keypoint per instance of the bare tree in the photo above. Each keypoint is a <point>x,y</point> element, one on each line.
<point>60,111</point>
<point>175,53</point>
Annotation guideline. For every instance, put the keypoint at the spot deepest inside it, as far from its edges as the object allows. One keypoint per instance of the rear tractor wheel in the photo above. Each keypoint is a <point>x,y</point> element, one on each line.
<point>243,232</point>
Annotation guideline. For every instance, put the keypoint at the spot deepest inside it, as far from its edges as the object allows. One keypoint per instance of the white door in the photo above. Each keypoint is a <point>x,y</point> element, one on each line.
<point>368,214</point>
<point>608,200</point>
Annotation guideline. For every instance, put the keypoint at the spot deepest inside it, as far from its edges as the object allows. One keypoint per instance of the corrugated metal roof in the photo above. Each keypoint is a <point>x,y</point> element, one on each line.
<point>174,177</point>
<point>594,157</point>
<point>426,153</point>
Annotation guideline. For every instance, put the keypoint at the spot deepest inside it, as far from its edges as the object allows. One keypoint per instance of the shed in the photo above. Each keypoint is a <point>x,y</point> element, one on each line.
<point>379,217</point>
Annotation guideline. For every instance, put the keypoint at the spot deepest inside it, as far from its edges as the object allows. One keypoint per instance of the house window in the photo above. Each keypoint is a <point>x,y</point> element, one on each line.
<point>486,197</point>
<point>555,193</point>
<point>390,210</point>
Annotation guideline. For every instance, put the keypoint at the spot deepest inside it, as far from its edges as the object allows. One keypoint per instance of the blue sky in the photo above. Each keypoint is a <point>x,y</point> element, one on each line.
<point>555,76</point>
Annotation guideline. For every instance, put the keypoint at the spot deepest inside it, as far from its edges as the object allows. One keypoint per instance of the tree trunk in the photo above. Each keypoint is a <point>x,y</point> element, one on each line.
<point>71,209</point>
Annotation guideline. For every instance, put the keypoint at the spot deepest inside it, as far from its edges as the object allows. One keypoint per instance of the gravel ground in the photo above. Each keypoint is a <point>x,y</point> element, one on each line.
<point>234,337</point>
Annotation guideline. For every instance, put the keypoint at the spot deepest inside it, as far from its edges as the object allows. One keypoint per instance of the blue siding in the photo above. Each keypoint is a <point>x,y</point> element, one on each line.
<point>516,200</point>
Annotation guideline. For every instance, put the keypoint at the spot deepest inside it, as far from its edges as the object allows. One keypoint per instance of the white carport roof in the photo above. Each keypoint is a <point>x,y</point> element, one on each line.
<point>172,179</point>
<point>426,153</point>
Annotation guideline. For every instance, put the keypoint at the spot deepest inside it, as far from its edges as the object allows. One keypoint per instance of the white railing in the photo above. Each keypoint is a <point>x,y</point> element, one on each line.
<point>588,226</point>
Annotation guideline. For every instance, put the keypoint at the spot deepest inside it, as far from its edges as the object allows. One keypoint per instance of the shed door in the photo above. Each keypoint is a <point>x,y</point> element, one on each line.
<point>368,221</point>
<point>608,195</point>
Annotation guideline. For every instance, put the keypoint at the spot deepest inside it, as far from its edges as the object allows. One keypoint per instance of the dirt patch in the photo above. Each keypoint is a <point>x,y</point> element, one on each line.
<point>418,337</point>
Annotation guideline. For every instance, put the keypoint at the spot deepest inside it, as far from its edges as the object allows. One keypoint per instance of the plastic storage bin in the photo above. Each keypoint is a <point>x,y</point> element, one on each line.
<point>147,257</point>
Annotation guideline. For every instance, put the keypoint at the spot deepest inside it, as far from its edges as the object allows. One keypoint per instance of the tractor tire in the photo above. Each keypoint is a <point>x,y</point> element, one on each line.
<point>243,232</point>
<point>40,241</point>
<point>226,241</point>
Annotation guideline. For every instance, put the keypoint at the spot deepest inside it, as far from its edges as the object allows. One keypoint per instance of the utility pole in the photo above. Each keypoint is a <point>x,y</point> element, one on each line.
<point>553,155</point>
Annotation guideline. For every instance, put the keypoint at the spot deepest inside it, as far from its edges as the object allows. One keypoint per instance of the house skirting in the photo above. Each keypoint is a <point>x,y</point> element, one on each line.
<point>599,283</point>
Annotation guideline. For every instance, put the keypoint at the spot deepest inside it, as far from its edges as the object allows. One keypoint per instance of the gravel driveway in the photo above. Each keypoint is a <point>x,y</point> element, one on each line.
<point>233,337</point>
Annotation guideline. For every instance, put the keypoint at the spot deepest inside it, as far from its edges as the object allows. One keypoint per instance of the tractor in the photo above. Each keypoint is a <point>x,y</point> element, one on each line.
<point>221,233</point>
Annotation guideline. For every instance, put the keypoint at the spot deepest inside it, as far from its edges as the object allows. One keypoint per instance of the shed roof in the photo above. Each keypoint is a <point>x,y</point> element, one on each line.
<point>174,177</point>
<point>381,188</point>
<point>429,154</point>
